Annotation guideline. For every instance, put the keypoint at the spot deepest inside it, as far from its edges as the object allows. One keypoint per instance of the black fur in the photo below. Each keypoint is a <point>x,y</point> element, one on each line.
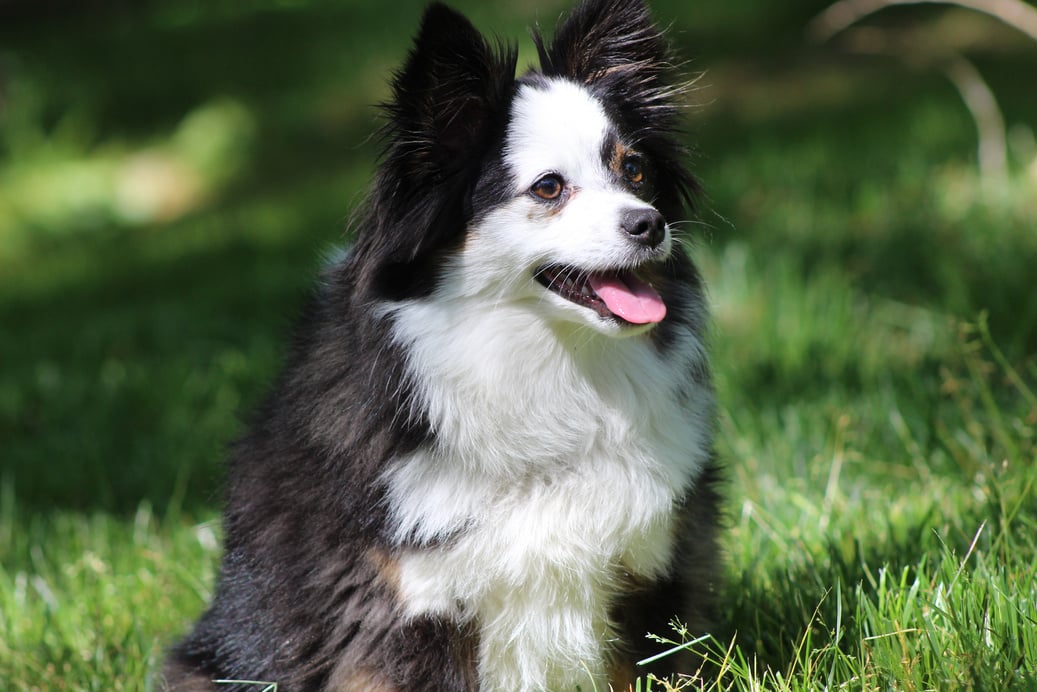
<point>449,110</point>
<point>305,593</point>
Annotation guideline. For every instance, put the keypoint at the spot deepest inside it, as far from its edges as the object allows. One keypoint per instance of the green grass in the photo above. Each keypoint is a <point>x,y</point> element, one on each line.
<point>875,326</point>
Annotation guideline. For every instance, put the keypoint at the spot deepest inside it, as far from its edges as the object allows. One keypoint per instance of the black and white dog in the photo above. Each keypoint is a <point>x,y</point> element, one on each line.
<point>487,464</point>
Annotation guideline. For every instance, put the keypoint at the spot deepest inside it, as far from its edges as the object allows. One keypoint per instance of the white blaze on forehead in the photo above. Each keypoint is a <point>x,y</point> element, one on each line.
<point>559,128</point>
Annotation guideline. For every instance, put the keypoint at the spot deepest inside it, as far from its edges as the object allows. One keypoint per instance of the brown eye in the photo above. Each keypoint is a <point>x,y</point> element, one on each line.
<point>548,188</point>
<point>633,171</point>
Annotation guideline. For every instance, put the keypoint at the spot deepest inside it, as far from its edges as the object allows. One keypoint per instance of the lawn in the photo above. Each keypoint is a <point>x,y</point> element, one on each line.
<point>171,176</point>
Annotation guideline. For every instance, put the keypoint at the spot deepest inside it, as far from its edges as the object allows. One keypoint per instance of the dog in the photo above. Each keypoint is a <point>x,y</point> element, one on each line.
<point>487,463</point>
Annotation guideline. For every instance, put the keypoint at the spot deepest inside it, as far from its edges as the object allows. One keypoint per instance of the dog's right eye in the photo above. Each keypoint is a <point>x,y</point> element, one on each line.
<point>548,188</point>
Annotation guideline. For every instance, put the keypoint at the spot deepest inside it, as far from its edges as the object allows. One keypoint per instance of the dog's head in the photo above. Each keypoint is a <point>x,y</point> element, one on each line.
<point>557,190</point>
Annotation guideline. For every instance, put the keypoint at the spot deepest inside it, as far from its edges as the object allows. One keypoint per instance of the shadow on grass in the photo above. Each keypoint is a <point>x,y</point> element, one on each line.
<point>124,384</point>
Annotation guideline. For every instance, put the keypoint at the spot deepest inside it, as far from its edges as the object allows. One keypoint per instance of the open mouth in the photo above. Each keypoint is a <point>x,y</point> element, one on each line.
<point>619,294</point>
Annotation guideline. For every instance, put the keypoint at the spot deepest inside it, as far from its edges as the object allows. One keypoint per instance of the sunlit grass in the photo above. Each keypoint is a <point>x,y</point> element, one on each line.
<point>88,599</point>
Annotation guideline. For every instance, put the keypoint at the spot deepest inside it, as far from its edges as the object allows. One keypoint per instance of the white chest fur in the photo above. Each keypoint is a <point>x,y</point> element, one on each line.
<point>555,466</point>
<point>535,562</point>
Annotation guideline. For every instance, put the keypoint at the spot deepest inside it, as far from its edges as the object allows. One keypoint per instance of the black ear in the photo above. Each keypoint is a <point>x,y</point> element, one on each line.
<point>448,99</point>
<point>602,37</point>
<point>449,107</point>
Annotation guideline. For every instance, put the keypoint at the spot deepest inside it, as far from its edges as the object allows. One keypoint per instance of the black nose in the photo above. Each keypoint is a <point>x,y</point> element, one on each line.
<point>646,226</point>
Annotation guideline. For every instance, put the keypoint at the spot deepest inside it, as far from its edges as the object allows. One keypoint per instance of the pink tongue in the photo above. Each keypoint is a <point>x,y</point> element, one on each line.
<point>629,298</point>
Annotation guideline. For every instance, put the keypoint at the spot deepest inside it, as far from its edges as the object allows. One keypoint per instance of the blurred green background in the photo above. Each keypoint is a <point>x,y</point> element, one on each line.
<point>170,174</point>
<point>173,172</point>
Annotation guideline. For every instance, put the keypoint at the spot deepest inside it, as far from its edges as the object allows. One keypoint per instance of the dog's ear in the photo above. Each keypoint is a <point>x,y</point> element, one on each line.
<point>601,38</point>
<point>449,106</point>
<point>447,100</point>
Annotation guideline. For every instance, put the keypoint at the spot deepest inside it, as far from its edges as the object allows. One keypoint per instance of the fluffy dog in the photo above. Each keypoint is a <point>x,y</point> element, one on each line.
<point>487,463</point>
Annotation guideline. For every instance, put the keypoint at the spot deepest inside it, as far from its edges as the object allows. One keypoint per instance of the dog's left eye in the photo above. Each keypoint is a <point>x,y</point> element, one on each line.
<point>633,171</point>
<point>548,188</point>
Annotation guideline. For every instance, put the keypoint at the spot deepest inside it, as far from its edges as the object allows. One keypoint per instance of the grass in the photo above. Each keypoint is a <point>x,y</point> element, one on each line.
<point>926,582</point>
<point>874,328</point>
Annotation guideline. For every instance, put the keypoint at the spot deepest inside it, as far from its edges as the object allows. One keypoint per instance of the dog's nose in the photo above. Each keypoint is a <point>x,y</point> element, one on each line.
<point>646,226</point>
